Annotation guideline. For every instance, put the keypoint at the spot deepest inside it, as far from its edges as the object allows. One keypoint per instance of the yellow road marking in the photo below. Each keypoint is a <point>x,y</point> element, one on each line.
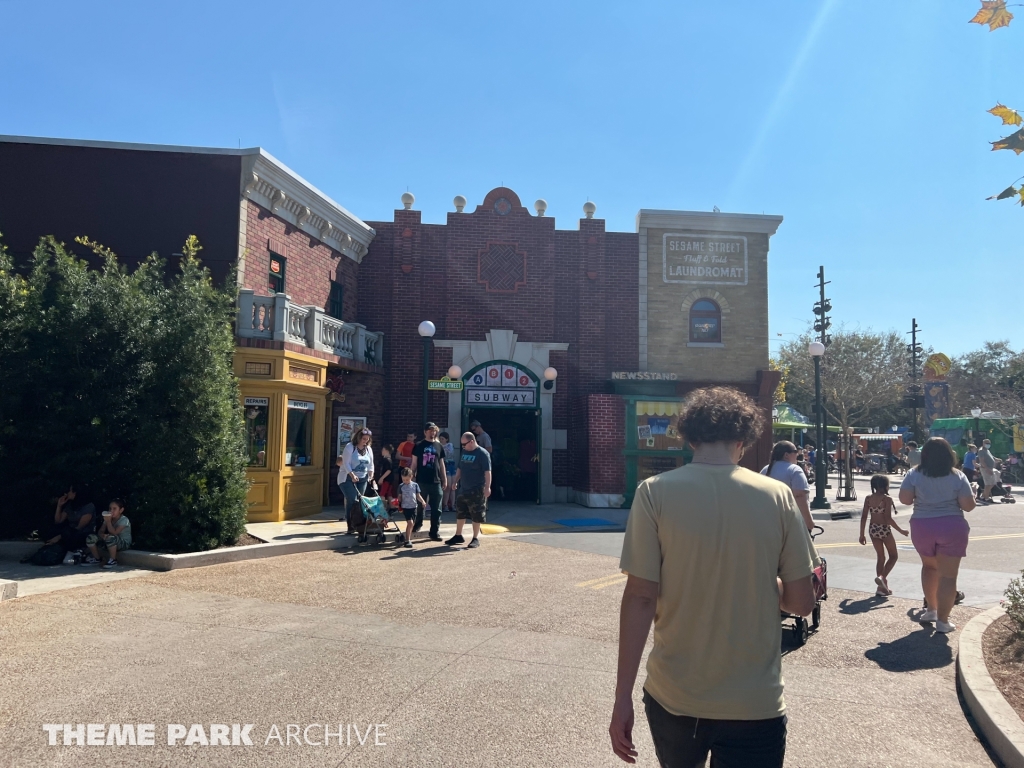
<point>613,577</point>
<point>971,538</point>
<point>621,580</point>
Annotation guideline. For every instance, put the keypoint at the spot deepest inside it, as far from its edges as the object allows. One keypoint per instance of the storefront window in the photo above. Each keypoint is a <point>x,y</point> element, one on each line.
<point>656,426</point>
<point>256,413</point>
<point>299,437</point>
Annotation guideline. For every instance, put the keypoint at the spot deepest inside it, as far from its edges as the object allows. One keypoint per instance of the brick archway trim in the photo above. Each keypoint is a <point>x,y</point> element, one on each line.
<point>705,293</point>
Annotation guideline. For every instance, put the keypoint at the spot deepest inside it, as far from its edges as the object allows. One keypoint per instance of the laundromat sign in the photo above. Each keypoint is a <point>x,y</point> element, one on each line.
<point>704,258</point>
<point>501,385</point>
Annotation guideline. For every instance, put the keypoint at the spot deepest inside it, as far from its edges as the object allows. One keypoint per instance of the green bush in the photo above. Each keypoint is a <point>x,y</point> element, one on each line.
<point>121,381</point>
<point>1013,603</point>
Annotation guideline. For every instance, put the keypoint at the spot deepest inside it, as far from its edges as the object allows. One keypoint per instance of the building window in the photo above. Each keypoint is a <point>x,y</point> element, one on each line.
<point>277,269</point>
<point>705,322</point>
<point>256,410</point>
<point>335,301</point>
<point>299,437</point>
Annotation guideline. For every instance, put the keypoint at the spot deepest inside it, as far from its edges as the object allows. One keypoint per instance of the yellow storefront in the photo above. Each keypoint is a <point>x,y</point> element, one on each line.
<point>285,403</point>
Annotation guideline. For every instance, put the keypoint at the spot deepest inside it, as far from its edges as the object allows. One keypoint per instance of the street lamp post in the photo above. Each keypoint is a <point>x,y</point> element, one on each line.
<point>816,350</point>
<point>426,330</point>
<point>976,413</point>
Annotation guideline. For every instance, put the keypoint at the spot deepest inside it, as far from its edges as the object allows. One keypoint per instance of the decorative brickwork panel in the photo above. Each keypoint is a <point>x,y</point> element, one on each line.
<point>501,267</point>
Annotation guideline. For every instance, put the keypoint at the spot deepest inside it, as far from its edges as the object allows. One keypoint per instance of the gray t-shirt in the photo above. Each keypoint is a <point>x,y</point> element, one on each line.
<point>472,466</point>
<point>789,474</point>
<point>484,441</point>
<point>407,492</point>
<point>985,459</point>
<point>936,496</point>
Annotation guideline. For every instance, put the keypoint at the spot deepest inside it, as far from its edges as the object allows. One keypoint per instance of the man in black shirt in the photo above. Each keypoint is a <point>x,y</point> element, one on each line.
<point>428,465</point>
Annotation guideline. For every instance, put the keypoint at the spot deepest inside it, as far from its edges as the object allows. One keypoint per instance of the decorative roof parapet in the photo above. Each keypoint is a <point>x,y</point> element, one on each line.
<point>275,187</point>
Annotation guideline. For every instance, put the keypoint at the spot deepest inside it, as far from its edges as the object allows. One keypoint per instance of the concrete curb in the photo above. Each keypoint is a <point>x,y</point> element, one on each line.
<point>1001,725</point>
<point>160,562</point>
<point>8,590</point>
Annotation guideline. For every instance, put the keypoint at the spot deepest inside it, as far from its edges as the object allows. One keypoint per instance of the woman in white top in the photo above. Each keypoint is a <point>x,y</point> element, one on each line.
<point>783,467</point>
<point>355,467</point>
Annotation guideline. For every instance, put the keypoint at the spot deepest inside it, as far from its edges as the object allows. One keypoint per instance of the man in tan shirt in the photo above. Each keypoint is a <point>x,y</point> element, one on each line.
<point>712,552</point>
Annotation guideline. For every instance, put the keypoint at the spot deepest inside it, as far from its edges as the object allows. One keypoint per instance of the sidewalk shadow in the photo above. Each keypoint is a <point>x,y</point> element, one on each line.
<point>923,649</point>
<point>853,607</point>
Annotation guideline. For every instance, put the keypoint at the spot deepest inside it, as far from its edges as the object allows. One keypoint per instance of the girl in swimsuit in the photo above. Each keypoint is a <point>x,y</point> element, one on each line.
<point>881,509</point>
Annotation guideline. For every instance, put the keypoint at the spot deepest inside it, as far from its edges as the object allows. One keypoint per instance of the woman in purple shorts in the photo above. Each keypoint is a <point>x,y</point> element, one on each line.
<point>940,495</point>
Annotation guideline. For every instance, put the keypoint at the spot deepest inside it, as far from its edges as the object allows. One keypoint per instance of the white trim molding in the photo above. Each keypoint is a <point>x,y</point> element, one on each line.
<point>275,187</point>
<point>755,223</point>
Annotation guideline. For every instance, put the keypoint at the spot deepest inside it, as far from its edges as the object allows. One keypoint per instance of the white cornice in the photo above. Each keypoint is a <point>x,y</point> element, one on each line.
<point>277,188</point>
<point>703,221</point>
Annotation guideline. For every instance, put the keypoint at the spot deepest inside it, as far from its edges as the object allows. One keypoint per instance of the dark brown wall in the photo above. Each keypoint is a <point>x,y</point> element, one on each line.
<point>134,202</point>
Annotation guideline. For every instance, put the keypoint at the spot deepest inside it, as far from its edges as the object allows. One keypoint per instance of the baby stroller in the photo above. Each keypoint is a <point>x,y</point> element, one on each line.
<point>375,522</point>
<point>801,627</point>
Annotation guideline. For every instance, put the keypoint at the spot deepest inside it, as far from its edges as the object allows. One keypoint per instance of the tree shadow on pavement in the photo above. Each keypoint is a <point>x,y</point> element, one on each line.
<point>923,649</point>
<point>853,607</point>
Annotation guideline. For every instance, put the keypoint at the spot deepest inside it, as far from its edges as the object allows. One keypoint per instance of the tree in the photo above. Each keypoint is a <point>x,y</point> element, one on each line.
<point>123,382</point>
<point>862,374</point>
<point>990,378</point>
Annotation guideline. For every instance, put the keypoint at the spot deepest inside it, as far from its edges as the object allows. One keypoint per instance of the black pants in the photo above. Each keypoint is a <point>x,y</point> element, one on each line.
<point>433,494</point>
<point>70,537</point>
<point>684,742</point>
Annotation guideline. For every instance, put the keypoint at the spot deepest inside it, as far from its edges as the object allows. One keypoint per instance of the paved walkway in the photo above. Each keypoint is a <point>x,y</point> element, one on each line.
<point>504,655</point>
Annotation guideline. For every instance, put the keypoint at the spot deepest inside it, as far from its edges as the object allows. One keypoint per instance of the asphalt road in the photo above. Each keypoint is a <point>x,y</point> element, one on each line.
<point>504,655</point>
<point>995,554</point>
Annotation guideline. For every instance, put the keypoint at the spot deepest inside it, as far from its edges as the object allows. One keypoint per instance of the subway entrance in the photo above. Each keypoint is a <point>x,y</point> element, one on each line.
<point>515,459</point>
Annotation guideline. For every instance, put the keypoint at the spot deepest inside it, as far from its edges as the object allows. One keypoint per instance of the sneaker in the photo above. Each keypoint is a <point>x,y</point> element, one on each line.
<point>456,539</point>
<point>110,563</point>
<point>434,537</point>
<point>880,592</point>
<point>474,544</point>
<point>408,545</point>
<point>90,560</point>
<point>944,626</point>
<point>959,598</point>
<point>928,617</point>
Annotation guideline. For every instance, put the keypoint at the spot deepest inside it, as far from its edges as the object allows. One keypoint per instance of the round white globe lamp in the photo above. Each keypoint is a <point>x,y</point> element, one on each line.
<point>454,372</point>
<point>426,328</point>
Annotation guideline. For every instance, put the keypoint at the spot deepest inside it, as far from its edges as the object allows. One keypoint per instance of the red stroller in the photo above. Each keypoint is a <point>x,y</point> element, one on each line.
<point>801,627</point>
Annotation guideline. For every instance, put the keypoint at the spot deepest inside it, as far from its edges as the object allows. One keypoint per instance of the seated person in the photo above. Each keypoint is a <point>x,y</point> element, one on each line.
<point>115,534</point>
<point>73,520</point>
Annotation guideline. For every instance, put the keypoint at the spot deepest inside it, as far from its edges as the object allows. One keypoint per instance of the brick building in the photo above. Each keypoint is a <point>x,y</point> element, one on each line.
<point>294,253</point>
<point>631,321</point>
<point>575,346</point>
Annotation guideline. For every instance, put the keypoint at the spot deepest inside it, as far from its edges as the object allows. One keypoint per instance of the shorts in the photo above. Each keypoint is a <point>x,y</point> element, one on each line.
<point>990,476</point>
<point>410,514</point>
<point>940,536</point>
<point>108,541</point>
<point>471,505</point>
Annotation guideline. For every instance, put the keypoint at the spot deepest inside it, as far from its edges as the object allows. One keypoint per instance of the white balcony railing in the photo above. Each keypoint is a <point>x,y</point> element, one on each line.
<point>277,318</point>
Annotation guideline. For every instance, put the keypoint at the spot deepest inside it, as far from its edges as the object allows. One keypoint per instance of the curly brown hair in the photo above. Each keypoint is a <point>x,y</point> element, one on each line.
<point>721,414</point>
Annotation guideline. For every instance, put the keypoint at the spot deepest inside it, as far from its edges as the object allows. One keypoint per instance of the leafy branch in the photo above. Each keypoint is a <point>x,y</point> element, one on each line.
<point>994,13</point>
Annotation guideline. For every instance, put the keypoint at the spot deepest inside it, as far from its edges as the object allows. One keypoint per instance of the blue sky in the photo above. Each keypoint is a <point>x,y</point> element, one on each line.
<point>861,121</point>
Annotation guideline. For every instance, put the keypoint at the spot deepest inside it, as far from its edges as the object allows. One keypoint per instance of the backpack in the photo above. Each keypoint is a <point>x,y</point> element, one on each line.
<point>51,554</point>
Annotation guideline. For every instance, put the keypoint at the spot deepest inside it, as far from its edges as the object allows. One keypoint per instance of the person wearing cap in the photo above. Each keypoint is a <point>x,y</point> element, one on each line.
<point>431,477</point>
<point>481,437</point>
